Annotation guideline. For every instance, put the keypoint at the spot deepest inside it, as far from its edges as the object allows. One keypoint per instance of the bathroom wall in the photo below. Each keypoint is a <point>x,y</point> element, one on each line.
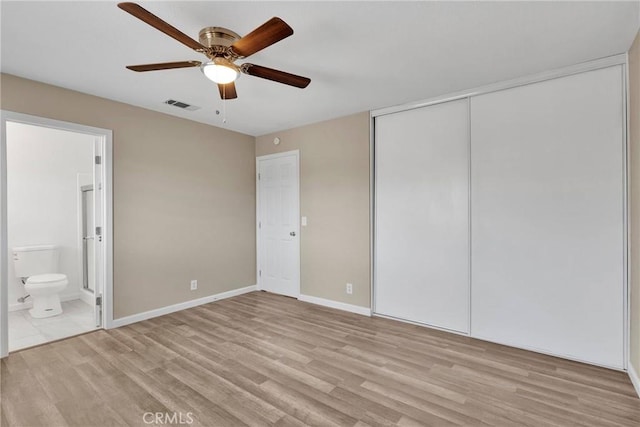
<point>42,194</point>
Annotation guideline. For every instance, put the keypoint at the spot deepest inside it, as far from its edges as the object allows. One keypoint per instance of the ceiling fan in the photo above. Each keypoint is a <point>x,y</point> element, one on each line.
<point>222,47</point>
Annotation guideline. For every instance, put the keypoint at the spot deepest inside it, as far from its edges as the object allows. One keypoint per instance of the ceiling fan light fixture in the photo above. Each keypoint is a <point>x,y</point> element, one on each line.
<point>220,71</point>
<point>222,47</point>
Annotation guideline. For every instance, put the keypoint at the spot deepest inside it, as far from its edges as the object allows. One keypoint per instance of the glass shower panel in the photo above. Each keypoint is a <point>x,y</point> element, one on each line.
<point>88,241</point>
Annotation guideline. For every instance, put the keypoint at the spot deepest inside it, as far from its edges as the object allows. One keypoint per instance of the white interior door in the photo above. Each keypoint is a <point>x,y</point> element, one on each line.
<point>422,215</point>
<point>95,247</point>
<point>278,224</point>
<point>548,216</point>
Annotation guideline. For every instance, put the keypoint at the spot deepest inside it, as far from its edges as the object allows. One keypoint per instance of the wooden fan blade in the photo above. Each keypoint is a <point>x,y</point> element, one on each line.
<point>227,91</point>
<point>272,31</point>
<point>164,66</point>
<point>157,23</point>
<point>275,75</point>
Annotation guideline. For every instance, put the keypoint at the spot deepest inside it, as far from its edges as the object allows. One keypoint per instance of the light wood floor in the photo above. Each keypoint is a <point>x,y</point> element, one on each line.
<point>261,359</point>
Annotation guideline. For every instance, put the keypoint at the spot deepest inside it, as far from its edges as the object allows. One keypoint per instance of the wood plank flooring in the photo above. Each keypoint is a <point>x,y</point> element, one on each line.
<point>262,359</point>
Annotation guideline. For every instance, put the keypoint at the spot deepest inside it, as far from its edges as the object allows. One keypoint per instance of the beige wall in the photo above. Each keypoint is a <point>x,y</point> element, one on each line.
<point>334,196</point>
<point>634,198</point>
<point>184,196</point>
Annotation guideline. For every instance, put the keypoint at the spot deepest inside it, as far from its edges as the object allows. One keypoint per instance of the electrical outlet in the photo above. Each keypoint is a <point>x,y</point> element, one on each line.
<point>349,288</point>
<point>194,285</point>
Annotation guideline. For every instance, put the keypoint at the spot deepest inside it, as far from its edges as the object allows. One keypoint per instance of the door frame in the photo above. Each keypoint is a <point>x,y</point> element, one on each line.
<point>295,153</point>
<point>106,137</point>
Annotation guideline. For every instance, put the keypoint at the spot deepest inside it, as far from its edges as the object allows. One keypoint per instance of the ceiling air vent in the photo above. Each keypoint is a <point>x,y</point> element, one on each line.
<point>181,105</point>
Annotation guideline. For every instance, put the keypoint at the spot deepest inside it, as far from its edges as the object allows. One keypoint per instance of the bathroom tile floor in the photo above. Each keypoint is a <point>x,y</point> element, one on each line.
<point>24,331</point>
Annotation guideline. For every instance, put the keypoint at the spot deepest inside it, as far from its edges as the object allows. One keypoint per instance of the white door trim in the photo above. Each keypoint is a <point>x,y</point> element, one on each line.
<point>295,153</point>
<point>107,179</point>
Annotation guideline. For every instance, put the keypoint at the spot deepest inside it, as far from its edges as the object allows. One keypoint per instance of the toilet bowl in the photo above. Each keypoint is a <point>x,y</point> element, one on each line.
<point>45,290</point>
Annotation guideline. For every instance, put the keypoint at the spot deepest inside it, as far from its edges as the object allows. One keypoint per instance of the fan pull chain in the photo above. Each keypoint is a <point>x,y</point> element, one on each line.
<point>224,103</point>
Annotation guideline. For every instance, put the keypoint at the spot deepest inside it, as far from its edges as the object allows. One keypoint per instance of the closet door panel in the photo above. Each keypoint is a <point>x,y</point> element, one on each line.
<point>422,215</point>
<point>547,216</point>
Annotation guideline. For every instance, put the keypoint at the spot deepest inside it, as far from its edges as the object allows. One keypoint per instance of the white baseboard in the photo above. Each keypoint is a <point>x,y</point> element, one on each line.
<point>635,380</point>
<point>16,306</point>
<point>335,304</point>
<point>180,306</point>
<point>87,297</point>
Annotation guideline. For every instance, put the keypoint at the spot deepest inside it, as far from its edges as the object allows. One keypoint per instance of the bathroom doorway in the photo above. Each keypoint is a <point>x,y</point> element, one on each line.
<point>55,253</point>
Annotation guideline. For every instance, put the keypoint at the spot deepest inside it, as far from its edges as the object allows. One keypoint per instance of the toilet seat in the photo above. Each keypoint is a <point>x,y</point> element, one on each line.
<point>46,280</point>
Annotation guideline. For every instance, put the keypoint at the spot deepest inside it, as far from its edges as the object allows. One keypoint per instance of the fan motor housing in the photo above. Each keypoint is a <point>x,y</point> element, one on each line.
<point>217,36</point>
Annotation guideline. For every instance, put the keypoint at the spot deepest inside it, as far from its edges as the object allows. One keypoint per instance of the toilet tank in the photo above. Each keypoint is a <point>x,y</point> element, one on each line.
<point>31,260</point>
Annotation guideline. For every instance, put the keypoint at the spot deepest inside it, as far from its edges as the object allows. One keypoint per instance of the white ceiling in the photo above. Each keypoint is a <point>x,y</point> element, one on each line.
<point>359,55</point>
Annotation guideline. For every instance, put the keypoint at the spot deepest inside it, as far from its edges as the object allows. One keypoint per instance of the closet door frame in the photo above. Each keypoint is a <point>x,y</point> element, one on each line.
<point>621,59</point>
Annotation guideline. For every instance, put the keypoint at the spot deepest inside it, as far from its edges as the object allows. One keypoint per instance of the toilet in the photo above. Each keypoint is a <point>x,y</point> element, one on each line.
<point>37,267</point>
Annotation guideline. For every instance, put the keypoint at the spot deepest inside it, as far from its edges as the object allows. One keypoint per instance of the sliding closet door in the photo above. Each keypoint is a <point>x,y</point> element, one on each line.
<point>422,215</point>
<point>547,216</point>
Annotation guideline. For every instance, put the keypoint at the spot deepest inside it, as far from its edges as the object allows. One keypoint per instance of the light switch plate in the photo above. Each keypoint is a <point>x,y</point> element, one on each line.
<point>304,221</point>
